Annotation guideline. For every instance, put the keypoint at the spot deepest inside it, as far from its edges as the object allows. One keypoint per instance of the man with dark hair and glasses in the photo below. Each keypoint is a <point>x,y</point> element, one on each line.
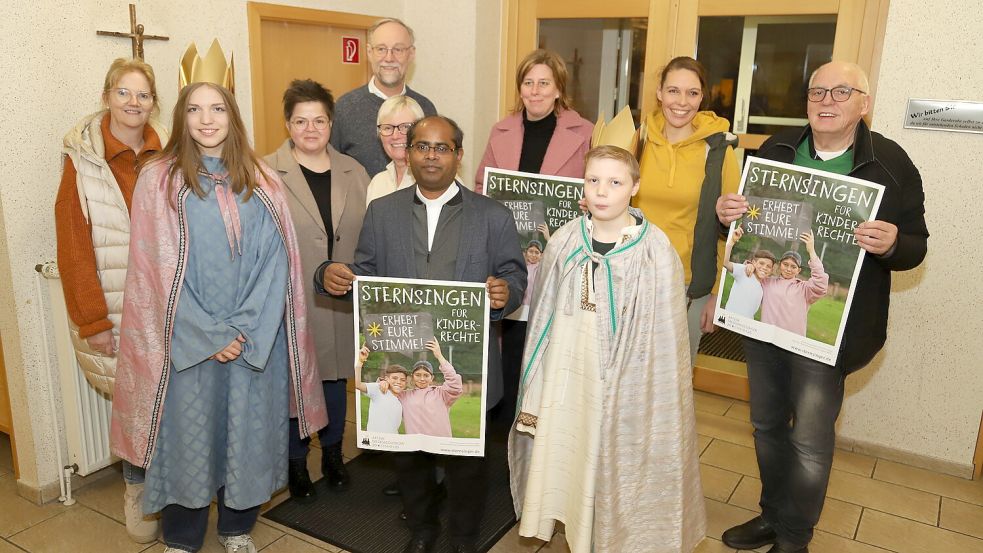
<point>438,229</point>
<point>390,51</point>
<point>795,400</point>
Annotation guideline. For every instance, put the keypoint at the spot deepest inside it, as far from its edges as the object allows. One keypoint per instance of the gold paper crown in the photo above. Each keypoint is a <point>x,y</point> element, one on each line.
<point>619,132</point>
<point>210,69</point>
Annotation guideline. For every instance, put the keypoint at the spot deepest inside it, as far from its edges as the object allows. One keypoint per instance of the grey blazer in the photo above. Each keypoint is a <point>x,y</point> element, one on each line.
<point>330,319</point>
<point>489,247</point>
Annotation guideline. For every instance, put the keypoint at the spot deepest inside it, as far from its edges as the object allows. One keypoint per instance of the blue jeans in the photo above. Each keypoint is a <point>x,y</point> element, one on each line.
<point>336,399</point>
<point>794,405</point>
<point>132,474</point>
<point>184,528</point>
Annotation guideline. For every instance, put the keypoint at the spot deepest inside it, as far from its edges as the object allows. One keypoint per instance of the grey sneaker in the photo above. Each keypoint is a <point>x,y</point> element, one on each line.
<point>243,543</point>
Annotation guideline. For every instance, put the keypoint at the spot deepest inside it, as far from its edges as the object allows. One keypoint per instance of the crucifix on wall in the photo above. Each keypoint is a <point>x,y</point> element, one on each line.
<point>136,34</point>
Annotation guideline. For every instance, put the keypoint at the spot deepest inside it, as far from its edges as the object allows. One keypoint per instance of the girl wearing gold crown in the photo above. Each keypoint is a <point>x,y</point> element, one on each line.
<point>214,349</point>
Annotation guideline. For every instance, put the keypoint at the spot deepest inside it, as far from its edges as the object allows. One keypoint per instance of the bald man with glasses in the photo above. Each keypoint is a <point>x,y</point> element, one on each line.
<point>795,401</point>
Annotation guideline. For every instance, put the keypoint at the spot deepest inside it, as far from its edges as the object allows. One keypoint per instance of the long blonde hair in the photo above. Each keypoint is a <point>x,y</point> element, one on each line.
<point>237,155</point>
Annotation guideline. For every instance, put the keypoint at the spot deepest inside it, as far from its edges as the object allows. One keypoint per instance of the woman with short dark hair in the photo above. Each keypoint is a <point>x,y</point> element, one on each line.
<point>326,194</point>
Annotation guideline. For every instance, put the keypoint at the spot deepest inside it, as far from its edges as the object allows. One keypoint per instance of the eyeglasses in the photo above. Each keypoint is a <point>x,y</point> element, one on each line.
<point>839,93</point>
<point>424,148</point>
<point>383,51</point>
<point>125,94</point>
<point>388,130</point>
<point>301,123</point>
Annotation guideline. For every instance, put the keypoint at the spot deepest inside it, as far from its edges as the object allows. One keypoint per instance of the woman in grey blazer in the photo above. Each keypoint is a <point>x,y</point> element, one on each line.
<point>326,194</point>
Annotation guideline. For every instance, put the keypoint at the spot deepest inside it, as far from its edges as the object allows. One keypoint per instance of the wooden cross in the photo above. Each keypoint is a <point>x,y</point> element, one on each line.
<point>135,34</point>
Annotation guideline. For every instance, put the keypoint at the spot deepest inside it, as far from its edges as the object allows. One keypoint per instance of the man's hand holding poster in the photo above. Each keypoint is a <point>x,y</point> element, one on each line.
<point>422,366</point>
<point>791,261</point>
<point>540,204</point>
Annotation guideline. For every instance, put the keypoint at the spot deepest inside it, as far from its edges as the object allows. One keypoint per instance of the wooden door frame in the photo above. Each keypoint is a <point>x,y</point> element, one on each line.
<point>257,12</point>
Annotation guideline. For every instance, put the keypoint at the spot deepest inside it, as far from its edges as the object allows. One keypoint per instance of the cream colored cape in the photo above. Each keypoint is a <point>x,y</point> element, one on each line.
<point>648,493</point>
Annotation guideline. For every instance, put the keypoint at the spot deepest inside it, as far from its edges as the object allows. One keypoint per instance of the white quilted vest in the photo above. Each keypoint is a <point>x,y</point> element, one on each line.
<point>104,208</point>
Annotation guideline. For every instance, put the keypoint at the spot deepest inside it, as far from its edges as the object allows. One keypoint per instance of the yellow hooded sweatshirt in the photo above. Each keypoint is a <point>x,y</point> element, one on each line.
<point>672,177</point>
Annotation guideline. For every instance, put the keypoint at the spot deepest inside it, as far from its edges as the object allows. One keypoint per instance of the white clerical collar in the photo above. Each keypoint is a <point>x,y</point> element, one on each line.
<point>375,90</point>
<point>434,207</point>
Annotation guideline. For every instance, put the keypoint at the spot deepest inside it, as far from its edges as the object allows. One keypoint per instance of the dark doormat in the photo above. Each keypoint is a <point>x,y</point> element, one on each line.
<point>364,520</point>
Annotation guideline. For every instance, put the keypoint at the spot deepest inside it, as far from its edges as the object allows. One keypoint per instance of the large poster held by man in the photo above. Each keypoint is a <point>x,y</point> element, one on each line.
<point>421,367</point>
<point>790,263</point>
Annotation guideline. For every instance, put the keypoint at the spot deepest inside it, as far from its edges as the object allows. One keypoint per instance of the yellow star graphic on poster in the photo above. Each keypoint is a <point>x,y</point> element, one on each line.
<point>754,212</point>
<point>375,329</point>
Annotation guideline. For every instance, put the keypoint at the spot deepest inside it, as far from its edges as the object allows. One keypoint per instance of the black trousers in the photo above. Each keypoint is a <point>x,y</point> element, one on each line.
<point>794,405</point>
<point>467,487</point>
<point>513,341</point>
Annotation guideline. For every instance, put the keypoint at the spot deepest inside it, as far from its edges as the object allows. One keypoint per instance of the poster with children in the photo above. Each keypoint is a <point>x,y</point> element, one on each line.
<point>421,365</point>
<point>790,262</point>
<point>540,204</point>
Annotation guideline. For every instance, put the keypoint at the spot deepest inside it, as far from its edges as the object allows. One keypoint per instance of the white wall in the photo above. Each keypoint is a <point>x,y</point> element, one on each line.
<point>924,392</point>
<point>53,64</point>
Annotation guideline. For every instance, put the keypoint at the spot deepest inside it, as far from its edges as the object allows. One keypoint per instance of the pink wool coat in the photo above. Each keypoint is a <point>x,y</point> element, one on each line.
<point>158,254</point>
<point>564,156</point>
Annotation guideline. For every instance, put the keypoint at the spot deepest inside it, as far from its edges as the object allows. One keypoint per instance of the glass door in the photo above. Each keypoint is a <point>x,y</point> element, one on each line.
<point>760,85</point>
<point>605,59</point>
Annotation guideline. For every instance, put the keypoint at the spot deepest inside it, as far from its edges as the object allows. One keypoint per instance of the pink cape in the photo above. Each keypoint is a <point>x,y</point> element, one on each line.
<point>158,254</point>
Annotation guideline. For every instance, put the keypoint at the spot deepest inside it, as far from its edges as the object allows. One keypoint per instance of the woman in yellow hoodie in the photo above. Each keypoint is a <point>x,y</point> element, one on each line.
<point>678,193</point>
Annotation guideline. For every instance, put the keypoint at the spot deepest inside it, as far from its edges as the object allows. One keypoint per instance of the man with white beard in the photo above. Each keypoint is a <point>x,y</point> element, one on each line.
<point>390,51</point>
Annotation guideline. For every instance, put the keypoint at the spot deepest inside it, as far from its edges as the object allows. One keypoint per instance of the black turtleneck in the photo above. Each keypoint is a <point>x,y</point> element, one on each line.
<point>536,137</point>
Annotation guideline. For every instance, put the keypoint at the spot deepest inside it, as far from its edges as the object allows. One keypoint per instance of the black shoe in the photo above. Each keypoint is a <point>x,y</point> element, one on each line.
<point>783,548</point>
<point>333,468</point>
<point>299,481</point>
<point>391,490</point>
<point>750,535</point>
<point>421,543</point>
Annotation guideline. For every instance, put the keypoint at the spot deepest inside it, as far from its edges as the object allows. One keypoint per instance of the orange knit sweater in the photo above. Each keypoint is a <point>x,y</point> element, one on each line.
<point>76,258</point>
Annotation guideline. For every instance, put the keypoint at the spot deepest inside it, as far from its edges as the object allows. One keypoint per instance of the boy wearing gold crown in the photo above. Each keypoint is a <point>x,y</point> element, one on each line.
<point>605,438</point>
<point>214,342</point>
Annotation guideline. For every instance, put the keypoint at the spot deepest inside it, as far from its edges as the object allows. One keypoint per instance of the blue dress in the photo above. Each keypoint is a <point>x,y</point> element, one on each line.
<point>225,424</point>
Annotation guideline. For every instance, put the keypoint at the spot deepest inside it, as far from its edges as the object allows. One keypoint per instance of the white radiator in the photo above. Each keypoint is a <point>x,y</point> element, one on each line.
<point>86,411</point>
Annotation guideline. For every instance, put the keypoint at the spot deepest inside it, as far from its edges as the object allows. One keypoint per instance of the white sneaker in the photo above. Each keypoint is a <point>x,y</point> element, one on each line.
<point>140,528</point>
<point>243,543</point>
<point>173,550</point>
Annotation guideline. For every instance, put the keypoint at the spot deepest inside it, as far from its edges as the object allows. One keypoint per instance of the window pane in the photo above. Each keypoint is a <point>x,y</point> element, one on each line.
<point>719,50</point>
<point>785,56</point>
<point>591,50</point>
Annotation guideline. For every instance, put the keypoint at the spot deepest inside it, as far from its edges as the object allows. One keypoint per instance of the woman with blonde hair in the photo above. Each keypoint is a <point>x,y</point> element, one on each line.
<point>396,115</point>
<point>214,351</point>
<point>92,222</point>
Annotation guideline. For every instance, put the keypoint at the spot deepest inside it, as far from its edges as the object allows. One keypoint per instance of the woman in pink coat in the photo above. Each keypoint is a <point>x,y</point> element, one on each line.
<point>542,135</point>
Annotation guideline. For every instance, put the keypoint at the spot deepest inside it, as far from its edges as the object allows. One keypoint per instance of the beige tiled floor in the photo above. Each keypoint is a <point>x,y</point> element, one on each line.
<point>873,505</point>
